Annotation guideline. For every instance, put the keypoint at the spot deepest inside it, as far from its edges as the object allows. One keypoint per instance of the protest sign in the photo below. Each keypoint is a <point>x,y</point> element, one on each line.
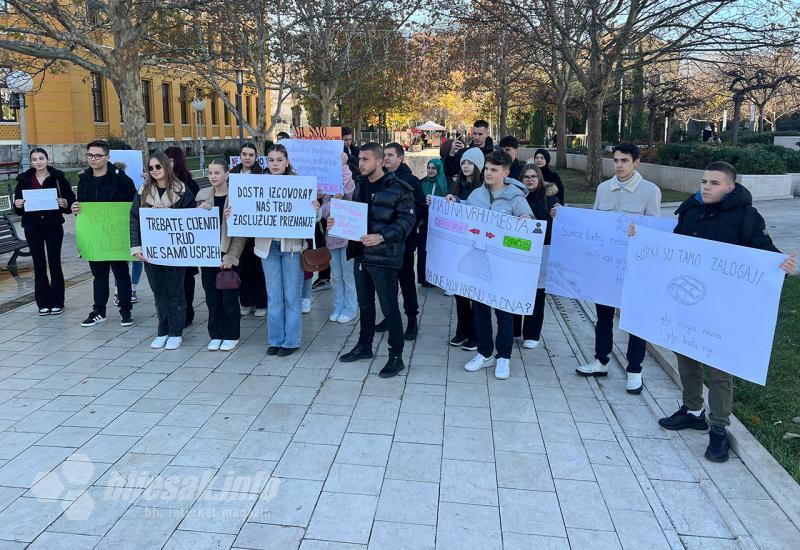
<point>131,162</point>
<point>589,252</point>
<point>319,132</point>
<point>486,256</point>
<point>319,158</point>
<point>350,219</point>
<point>272,206</point>
<point>262,161</point>
<point>711,301</point>
<point>186,237</point>
<point>102,231</point>
<point>40,199</point>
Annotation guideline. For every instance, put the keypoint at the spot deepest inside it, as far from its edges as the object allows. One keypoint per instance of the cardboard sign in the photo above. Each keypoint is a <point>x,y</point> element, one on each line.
<point>318,132</point>
<point>350,219</point>
<point>102,231</point>
<point>269,206</point>
<point>132,162</point>
<point>40,199</point>
<point>181,237</point>
<point>319,158</point>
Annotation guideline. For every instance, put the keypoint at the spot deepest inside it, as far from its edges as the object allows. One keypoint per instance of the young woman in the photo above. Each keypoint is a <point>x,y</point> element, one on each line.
<point>223,305</point>
<point>541,158</point>
<point>253,292</point>
<point>284,274</point>
<point>162,189</point>
<point>345,301</point>
<point>44,230</point>
<point>542,197</point>
<point>434,184</point>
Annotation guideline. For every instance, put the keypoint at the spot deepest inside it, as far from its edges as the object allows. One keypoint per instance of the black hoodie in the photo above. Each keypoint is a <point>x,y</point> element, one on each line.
<point>55,180</point>
<point>114,186</point>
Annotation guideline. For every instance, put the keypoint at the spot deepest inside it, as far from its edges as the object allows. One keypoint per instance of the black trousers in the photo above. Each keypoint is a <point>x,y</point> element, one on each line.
<point>223,307</point>
<point>122,278</point>
<point>169,296</point>
<point>483,326</point>
<point>604,340</point>
<point>320,241</point>
<point>188,292</point>
<point>407,278</point>
<point>465,325</point>
<point>372,280</point>
<point>530,326</point>
<point>253,292</point>
<point>422,252</point>
<point>44,242</point>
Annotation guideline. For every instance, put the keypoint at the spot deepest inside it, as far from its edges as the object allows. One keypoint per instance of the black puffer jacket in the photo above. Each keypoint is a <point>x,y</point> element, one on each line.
<point>391,214</point>
<point>114,186</point>
<point>405,174</point>
<point>732,220</point>
<point>56,180</point>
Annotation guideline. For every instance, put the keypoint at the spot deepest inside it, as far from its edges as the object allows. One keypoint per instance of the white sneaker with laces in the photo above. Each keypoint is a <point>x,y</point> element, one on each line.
<point>173,342</point>
<point>214,344</point>
<point>595,368</point>
<point>260,312</point>
<point>244,311</point>
<point>479,362</point>
<point>334,317</point>
<point>634,385</point>
<point>530,344</point>
<point>306,305</point>
<point>228,345</point>
<point>344,319</point>
<point>159,342</point>
<point>503,369</point>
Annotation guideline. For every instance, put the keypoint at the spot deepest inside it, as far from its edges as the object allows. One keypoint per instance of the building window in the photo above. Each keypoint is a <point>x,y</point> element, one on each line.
<point>97,98</point>
<point>166,102</point>
<point>226,113</point>
<point>184,101</point>
<point>213,111</point>
<point>7,114</point>
<point>146,97</point>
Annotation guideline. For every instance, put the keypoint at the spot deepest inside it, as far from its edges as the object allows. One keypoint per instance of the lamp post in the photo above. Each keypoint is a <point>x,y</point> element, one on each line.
<point>21,83</point>
<point>199,106</point>
<point>239,89</point>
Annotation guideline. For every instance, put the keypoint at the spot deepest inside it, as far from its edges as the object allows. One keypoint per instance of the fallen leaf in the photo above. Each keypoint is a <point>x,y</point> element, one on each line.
<point>790,435</point>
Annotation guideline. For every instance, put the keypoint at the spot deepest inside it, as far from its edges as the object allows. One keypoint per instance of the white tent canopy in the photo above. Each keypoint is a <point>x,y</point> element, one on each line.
<point>430,126</point>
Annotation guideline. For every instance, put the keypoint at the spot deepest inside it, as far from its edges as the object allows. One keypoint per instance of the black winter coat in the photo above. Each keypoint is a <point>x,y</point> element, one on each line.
<point>541,203</point>
<point>732,220</point>
<point>390,213</point>
<point>516,170</point>
<point>185,200</point>
<point>452,165</point>
<point>114,186</point>
<point>44,218</point>
<point>405,174</point>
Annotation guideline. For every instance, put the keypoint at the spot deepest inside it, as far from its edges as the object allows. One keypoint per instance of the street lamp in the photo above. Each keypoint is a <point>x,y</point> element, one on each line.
<point>21,83</point>
<point>239,89</point>
<point>199,106</point>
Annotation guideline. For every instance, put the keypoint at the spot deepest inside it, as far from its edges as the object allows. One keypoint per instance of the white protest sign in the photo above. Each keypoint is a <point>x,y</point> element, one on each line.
<point>350,219</point>
<point>589,252</point>
<point>714,302</point>
<point>40,199</point>
<point>486,256</point>
<point>269,206</point>
<point>317,157</point>
<point>132,161</point>
<point>185,237</point>
<point>233,161</point>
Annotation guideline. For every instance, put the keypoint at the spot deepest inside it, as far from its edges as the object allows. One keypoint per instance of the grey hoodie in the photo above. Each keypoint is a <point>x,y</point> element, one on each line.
<point>510,201</point>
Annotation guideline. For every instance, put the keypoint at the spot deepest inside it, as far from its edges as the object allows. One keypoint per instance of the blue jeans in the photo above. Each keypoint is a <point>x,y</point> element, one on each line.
<point>136,272</point>
<point>307,287</point>
<point>284,277</point>
<point>345,300</point>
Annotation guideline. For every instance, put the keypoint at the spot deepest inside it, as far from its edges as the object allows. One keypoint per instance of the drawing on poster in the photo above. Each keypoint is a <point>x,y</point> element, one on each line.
<point>687,290</point>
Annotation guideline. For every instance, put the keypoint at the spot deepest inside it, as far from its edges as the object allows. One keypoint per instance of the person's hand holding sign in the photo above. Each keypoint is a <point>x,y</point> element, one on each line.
<point>789,265</point>
<point>373,239</point>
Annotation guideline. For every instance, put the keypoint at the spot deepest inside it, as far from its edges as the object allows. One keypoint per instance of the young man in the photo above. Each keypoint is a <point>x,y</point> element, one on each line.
<point>394,155</point>
<point>480,139</point>
<point>628,192</point>
<point>510,146</point>
<point>105,182</point>
<point>379,255</point>
<point>722,210</point>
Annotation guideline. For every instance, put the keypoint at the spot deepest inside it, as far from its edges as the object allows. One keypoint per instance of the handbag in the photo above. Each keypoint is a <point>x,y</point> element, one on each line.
<point>228,279</point>
<point>315,259</point>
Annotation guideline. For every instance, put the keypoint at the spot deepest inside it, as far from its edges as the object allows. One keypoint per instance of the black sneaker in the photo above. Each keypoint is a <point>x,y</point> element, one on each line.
<point>285,352</point>
<point>320,284</point>
<point>718,445</point>
<point>93,319</point>
<point>357,353</point>
<point>458,341</point>
<point>383,326</point>
<point>393,366</point>
<point>134,297</point>
<point>470,345</point>
<point>411,329</point>
<point>125,319</point>
<point>682,419</point>
<point>273,350</point>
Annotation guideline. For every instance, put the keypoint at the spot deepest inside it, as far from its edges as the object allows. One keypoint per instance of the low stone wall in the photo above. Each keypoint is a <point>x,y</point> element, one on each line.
<point>790,142</point>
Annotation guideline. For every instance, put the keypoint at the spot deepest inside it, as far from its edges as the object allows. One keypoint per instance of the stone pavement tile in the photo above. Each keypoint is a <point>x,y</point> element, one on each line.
<point>419,428</point>
<point>120,397</point>
<point>64,541</point>
<point>316,359</point>
<point>16,409</point>
<point>423,404</point>
<point>25,518</point>
<point>169,389</point>
<point>512,409</point>
<point>142,527</point>
<point>134,470</point>
<point>94,416</point>
<point>145,404</point>
<point>9,495</point>
<point>142,381</point>
<point>558,427</point>
<point>620,488</point>
<point>582,505</point>
<point>569,461</point>
<point>592,430</point>
<point>263,536</point>
<point>383,387</point>
<point>310,544</point>
<point>586,409</point>
<point>523,437</point>
<point>523,471</point>
<point>468,444</point>
<point>639,530</point>
<point>704,543</point>
<point>41,422</point>
<point>243,404</point>
<point>660,460</point>
<point>468,527</point>
<point>408,502</point>
<point>467,395</point>
<point>343,518</point>
<point>690,510</point>
<point>176,487</point>
<point>72,403</point>
<point>520,541</point>
<point>13,443</point>
<point>355,479</point>
<point>280,417</point>
<point>167,440</point>
<point>92,386</point>
<point>243,475</point>
<point>220,383</point>
<point>531,512</point>
<point>502,388</point>
<point>306,461</point>
<point>318,428</point>
<point>311,378</point>
<point>294,395</point>
<point>209,453</point>
<point>262,445</point>
<point>31,465</point>
<point>68,480</point>
<point>637,421</point>
<point>193,373</point>
<point>457,374</point>
<point>205,398</point>
<point>185,540</point>
<point>219,512</point>
<point>133,423</point>
<point>581,539</point>
<point>67,436</point>
<point>550,399</point>
<point>96,511</point>
<point>364,449</point>
<point>259,385</point>
<point>286,502</point>
<point>414,462</point>
<point>467,417</point>
<point>104,448</point>
<point>421,374</point>
<point>402,536</point>
<point>735,480</point>
<point>332,410</point>
<point>188,415</point>
<point>766,523</point>
<point>226,426</point>
<point>604,452</point>
<point>469,482</point>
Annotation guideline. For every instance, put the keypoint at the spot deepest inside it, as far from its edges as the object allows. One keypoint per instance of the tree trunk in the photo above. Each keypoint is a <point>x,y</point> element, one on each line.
<point>760,119</point>
<point>561,131</point>
<point>651,127</point>
<point>737,118</point>
<point>594,139</point>
<point>327,92</point>
<point>125,74</point>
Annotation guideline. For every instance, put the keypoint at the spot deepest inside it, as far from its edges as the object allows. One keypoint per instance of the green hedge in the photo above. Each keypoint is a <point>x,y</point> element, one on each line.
<point>748,137</point>
<point>749,159</point>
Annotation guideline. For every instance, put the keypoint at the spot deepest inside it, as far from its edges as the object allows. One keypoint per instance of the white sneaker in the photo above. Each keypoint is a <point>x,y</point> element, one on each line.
<point>260,312</point>
<point>214,344</point>
<point>344,319</point>
<point>228,345</point>
<point>479,362</point>
<point>306,305</point>
<point>245,311</point>
<point>503,369</point>
<point>530,344</point>
<point>595,368</point>
<point>334,317</point>
<point>634,385</point>
<point>158,342</point>
<point>173,342</point>
<point>44,311</point>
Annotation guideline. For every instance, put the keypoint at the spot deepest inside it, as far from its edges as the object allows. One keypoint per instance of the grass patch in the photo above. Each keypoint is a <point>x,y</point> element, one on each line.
<point>576,193</point>
<point>767,411</point>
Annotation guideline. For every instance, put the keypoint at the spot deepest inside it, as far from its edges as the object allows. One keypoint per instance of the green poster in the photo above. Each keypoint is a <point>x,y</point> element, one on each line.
<point>102,230</point>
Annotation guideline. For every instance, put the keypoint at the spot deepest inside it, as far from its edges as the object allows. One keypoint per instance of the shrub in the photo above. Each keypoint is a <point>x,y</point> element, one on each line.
<point>751,159</point>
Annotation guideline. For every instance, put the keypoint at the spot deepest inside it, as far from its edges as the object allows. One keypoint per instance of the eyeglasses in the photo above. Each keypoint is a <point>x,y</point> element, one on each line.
<point>530,177</point>
<point>154,167</point>
<point>90,156</point>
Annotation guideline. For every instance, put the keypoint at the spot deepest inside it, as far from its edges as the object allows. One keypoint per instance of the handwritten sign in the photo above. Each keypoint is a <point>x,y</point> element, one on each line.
<point>589,252</point>
<point>272,206</point>
<point>319,158</point>
<point>319,132</point>
<point>102,231</point>
<point>131,162</point>
<point>40,199</point>
<point>714,302</point>
<point>350,219</point>
<point>262,161</point>
<point>185,237</point>
<point>486,256</point>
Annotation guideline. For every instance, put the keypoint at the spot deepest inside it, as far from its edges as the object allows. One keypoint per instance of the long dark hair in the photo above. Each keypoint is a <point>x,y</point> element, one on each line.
<point>470,184</point>
<point>540,192</point>
<point>256,169</point>
<point>278,148</point>
<point>179,167</point>
<point>39,150</point>
<point>174,186</point>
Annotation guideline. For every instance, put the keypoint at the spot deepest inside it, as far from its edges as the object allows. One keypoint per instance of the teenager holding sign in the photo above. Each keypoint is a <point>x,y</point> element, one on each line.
<point>44,229</point>
<point>162,189</point>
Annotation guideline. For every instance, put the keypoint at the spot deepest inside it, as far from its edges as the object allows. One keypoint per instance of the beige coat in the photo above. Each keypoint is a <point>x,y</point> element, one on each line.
<point>231,247</point>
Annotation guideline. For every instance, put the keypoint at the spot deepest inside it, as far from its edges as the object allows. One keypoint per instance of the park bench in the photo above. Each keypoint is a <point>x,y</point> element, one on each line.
<point>8,171</point>
<point>10,242</point>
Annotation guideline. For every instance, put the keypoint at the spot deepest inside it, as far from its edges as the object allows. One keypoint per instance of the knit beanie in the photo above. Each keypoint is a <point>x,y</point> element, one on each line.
<point>545,153</point>
<point>475,156</point>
